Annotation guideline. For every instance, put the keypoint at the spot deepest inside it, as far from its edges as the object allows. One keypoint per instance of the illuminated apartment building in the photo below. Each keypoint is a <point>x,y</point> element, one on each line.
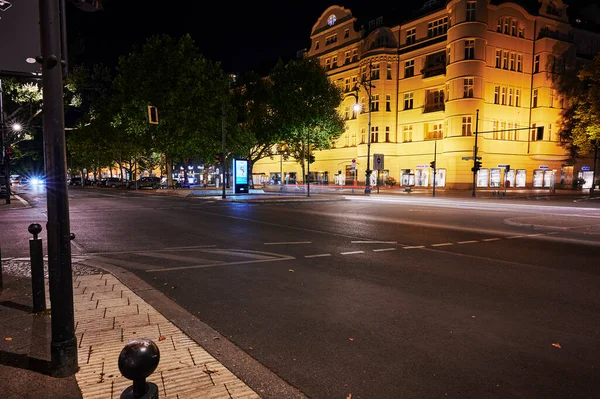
<point>436,75</point>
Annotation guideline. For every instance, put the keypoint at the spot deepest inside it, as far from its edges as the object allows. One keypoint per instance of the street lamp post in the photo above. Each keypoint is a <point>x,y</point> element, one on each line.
<point>368,86</point>
<point>595,142</point>
<point>5,158</point>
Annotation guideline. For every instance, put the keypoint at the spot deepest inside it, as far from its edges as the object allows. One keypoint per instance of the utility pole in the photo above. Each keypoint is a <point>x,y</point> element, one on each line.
<point>223,161</point>
<point>308,164</point>
<point>369,87</point>
<point>63,349</point>
<point>475,154</point>
<point>5,158</point>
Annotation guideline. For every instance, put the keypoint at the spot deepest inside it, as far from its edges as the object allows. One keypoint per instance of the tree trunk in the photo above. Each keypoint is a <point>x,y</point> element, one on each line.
<point>169,167</point>
<point>250,179</point>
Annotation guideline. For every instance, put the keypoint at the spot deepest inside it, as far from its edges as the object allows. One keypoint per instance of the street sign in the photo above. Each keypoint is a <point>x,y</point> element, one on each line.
<point>19,36</point>
<point>585,168</point>
<point>469,158</point>
<point>378,161</point>
<point>502,165</point>
<point>422,166</point>
<point>353,168</point>
<point>543,166</point>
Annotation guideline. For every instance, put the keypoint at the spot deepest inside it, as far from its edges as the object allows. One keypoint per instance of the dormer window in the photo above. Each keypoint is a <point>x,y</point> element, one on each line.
<point>346,33</point>
<point>316,45</point>
<point>330,40</point>
<point>331,20</point>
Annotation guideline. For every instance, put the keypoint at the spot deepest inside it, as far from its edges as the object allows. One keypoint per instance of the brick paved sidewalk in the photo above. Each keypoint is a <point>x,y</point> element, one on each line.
<point>108,315</point>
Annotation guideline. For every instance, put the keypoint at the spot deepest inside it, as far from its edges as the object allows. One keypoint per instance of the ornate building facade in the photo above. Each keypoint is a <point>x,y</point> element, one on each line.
<point>454,69</point>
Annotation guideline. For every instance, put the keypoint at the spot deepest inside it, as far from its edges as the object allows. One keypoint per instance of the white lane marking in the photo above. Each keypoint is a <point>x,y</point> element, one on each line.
<point>467,242</point>
<point>490,239</point>
<point>352,252</point>
<point>535,235</point>
<point>168,269</point>
<point>415,247</point>
<point>554,232</point>
<point>510,238</point>
<point>288,243</point>
<point>374,242</point>
<point>317,256</point>
<point>384,249</point>
<point>79,247</point>
<point>21,200</point>
<point>444,244</point>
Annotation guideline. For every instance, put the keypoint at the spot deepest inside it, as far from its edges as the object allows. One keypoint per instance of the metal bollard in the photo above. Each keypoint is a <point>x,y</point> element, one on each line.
<point>138,360</point>
<point>37,269</point>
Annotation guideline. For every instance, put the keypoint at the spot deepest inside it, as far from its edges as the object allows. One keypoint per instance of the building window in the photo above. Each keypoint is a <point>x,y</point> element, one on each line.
<point>375,71</point>
<point>389,71</point>
<point>515,136</point>
<point>513,59</point>
<point>496,94</point>
<point>347,57</point>
<point>354,83</point>
<point>513,27</point>
<point>510,96</point>
<point>434,132</point>
<point>521,32</point>
<point>434,100</point>
<point>328,64</point>
<point>388,103</point>
<point>533,131</point>
<point>503,96</point>
<point>407,131</point>
<point>536,64</point>
<point>469,49</point>
<point>505,25</point>
<point>408,100</point>
<point>330,40</point>
<point>438,27</point>
<point>375,102</point>
<point>505,59</point>
<point>499,26</point>
<point>363,136</point>
<point>448,52</point>
<point>468,87</point>
<point>517,97</point>
<point>363,73</point>
<point>411,36</point>
<point>346,33</point>
<point>498,58</point>
<point>552,95</point>
<point>347,112</point>
<point>374,134</point>
<point>502,130</point>
<point>355,55</point>
<point>317,45</point>
<point>409,68</point>
<point>347,140</point>
<point>471,8</point>
<point>353,142</point>
<point>466,126</point>
<point>550,131</point>
<point>347,85</point>
<point>495,130</point>
<point>535,98</point>
<point>387,134</point>
<point>519,62</point>
<point>334,62</point>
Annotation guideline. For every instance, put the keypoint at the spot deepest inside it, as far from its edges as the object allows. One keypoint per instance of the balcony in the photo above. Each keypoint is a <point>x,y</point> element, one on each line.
<point>434,107</point>
<point>434,70</point>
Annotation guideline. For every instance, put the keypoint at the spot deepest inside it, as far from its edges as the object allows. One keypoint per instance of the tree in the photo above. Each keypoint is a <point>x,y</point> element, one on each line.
<point>580,121</point>
<point>188,91</point>
<point>305,107</point>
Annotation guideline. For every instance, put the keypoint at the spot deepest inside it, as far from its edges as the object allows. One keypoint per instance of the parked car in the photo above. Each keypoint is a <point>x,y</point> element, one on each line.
<point>75,181</point>
<point>146,182</point>
<point>112,182</point>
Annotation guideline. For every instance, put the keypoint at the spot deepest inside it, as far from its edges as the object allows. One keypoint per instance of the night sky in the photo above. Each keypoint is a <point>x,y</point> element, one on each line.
<point>241,35</point>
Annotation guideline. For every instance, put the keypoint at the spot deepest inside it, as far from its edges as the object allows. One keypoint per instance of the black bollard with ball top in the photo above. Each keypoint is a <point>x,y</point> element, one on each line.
<point>36,254</point>
<point>137,361</point>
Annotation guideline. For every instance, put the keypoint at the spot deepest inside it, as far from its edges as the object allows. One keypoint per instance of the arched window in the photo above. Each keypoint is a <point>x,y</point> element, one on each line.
<point>331,20</point>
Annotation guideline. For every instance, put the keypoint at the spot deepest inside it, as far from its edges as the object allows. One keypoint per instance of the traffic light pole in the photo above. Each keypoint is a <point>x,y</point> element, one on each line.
<point>475,154</point>
<point>63,348</point>
<point>434,164</point>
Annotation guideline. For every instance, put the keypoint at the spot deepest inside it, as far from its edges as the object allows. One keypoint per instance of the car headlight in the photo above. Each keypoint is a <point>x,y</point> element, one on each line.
<point>36,181</point>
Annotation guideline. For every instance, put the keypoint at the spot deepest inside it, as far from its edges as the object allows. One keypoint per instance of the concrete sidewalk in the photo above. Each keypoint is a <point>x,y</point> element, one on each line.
<point>108,314</point>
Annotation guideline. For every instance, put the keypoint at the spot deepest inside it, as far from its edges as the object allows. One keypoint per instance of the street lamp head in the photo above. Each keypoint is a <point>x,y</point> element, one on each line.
<point>357,107</point>
<point>17,127</point>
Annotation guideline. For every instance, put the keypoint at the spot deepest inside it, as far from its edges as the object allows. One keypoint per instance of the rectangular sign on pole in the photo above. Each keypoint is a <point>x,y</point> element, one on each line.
<point>19,37</point>
<point>378,161</point>
<point>240,176</point>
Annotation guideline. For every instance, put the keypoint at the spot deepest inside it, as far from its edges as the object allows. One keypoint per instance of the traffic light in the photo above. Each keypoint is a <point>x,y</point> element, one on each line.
<point>507,169</point>
<point>153,115</point>
<point>432,164</point>
<point>476,167</point>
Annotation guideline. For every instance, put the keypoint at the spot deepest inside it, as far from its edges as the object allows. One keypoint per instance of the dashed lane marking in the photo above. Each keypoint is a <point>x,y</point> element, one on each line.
<point>384,249</point>
<point>444,244</point>
<point>491,239</point>
<point>467,242</point>
<point>535,235</point>
<point>317,256</point>
<point>374,242</point>
<point>414,247</point>
<point>288,243</point>
<point>352,252</point>
<point>512,237</point>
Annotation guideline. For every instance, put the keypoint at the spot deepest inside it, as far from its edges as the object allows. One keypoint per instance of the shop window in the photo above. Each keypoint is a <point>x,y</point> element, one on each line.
<point>482,177</point>
<point>407,177</point>
<point>538,178</point>
<point>495,177</point>
<point>421,177</point>
<point>521,178</point>
<point>440,178</point>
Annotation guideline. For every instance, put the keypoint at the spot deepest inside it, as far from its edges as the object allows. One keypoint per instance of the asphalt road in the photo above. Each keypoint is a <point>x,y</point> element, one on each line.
<point>379,297</point>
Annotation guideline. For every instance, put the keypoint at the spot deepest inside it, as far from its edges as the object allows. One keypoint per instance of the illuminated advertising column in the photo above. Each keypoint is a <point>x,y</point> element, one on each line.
<point>240,176</point>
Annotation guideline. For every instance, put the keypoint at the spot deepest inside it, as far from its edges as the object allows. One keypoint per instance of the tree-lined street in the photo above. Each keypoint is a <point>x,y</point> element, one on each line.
<point>378,297</point>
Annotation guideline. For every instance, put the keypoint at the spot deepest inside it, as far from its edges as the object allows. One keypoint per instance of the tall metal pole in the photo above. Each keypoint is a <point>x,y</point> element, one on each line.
<point>594,171</point>
<point>475,154</point>
<point>368,171</point>
<point>308,165</point>
<point>434,164</point>
<point>63,349</point>
<point>5,158</point>
<point>223,161</point>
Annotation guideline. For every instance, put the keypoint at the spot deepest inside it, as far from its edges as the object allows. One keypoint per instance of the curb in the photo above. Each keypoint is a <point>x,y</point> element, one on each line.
<point>258,377</point>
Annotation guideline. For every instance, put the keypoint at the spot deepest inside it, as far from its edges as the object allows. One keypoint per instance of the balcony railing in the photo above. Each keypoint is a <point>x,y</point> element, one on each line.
<point>434,107</point>
<point>433,70</point>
